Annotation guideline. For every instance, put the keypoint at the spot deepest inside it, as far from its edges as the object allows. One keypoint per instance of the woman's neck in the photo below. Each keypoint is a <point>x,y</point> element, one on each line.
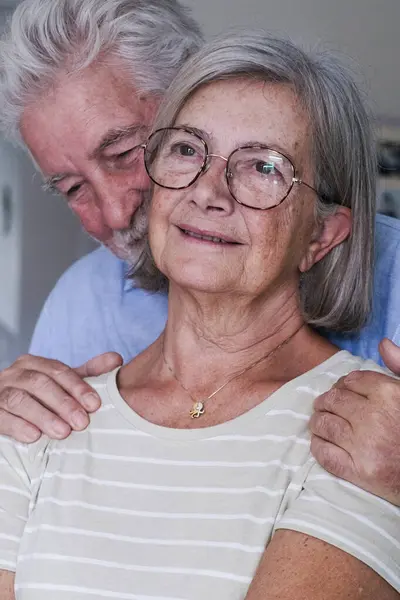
<point>221,337</point>
<point>243,353</point>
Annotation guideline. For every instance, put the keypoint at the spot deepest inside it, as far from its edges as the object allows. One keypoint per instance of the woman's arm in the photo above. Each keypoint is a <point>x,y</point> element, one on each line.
<point>296,566</point>
<point>7,585</point>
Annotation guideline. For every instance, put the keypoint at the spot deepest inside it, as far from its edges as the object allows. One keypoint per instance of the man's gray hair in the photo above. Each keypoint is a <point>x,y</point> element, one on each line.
<point>336,292</point>
<point>150,38</point>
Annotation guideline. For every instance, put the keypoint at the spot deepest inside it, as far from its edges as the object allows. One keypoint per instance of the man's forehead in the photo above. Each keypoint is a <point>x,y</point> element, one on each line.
<point>96,98</point>
<point>84,114</point>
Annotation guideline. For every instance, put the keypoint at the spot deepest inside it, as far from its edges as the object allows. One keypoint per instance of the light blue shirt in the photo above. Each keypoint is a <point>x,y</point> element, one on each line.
<point>93,309</point>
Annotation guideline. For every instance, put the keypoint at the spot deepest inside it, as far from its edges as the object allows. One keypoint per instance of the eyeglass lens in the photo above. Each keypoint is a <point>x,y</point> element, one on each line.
<point>257,176</point>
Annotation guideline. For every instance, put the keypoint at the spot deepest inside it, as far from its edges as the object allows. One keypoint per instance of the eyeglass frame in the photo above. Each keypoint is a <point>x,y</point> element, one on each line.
<point>206,165</point>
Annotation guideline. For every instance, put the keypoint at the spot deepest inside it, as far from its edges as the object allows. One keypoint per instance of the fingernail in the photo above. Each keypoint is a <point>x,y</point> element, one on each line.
<point>60,428</point>
<point>31,435</point>
<point>91,401</point>
<point>79,419</point>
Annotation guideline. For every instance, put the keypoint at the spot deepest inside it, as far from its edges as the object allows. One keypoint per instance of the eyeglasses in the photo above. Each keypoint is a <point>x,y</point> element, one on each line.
<point>257,176</point>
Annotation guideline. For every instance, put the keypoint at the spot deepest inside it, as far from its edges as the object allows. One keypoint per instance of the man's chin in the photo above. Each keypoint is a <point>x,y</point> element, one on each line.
<point>129,253</point>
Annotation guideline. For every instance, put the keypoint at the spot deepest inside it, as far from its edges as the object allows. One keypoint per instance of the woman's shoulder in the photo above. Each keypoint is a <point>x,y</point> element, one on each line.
<point>23,460</point>
<point>105,386</point>
<point>302,391</point>
<point>341,364</point>
<point>29,458</point>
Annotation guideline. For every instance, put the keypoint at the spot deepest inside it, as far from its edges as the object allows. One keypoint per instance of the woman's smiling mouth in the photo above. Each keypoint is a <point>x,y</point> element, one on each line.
<point>207,236</point>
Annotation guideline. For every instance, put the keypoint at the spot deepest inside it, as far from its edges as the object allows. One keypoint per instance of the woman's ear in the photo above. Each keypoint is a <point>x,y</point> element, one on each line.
<point>333,230</point>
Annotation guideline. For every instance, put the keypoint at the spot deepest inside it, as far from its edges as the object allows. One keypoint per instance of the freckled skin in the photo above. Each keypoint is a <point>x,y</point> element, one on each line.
<point>273,241</point>
<point>63,128</point>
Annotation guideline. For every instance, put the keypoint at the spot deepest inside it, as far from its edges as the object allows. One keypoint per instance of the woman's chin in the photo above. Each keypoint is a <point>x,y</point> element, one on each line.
<point>200,280</point>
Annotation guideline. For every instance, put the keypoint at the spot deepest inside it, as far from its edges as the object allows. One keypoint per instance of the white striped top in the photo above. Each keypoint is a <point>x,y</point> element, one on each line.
<point>131,510</point>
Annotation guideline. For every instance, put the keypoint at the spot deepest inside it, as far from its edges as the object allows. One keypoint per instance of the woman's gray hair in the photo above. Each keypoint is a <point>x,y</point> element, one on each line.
<point>336,292</point>
<point>150,38</point>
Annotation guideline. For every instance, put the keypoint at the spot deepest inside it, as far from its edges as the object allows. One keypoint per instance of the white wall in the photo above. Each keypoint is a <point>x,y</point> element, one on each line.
<point>10,240</point>
<point>366,30</point>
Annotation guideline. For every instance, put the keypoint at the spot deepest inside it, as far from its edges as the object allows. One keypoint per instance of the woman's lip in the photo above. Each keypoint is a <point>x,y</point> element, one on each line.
<point>207,233</point>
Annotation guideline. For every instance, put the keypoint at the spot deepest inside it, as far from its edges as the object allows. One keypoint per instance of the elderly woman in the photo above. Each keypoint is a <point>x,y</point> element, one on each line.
<point>195,479</point>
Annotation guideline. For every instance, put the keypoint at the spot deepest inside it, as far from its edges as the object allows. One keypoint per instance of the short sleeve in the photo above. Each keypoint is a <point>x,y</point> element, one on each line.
<point>349,518</point>
<point>20,467</point>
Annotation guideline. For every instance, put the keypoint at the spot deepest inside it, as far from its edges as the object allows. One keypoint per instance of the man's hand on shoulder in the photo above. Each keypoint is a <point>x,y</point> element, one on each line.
<point>356,428</point>
<point>39,395</point>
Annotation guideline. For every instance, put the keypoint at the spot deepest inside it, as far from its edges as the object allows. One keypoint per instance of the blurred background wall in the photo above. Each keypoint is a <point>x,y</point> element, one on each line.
<point>40,238</point>
<point>366,30</point>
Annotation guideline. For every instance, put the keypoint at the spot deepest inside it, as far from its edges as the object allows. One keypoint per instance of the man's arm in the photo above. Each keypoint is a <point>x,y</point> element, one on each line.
<point>356,428</point>
<point>296,566</point>
<point>7,585</point>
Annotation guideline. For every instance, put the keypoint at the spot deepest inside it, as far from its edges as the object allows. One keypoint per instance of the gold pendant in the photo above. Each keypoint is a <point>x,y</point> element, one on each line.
<point>197,410</point>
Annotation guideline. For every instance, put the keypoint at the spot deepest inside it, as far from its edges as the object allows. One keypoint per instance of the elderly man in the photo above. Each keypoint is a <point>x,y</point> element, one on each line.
<point>80,84</point>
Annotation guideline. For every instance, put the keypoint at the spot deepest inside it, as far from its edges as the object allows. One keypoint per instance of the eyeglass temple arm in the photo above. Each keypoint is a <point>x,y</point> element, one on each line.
<point>322,197</point>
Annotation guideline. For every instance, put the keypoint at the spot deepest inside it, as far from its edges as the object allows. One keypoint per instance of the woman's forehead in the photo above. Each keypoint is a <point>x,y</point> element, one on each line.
<point>244,110</point>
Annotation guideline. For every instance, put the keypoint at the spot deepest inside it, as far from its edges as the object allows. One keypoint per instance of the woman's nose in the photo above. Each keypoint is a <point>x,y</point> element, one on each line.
<point>211,190</point>
<point>209,160</point>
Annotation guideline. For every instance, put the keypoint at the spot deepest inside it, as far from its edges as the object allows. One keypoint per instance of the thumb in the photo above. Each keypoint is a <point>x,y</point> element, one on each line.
<point>391,355</point>
<point>101,364</point>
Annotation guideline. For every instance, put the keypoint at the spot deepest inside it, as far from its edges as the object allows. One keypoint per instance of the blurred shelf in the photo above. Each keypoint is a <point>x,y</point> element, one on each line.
<point>390,184</point>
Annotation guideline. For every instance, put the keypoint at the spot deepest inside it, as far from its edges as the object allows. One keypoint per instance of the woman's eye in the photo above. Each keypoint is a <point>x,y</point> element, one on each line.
<point>266,168</point>
<point>183,150</point>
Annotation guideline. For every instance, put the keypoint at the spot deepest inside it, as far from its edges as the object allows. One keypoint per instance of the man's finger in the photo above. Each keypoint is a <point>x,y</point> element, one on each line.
<point>18,429</point>
<point>391,355</point>
<point>332,429</point>
<point>58,411</point>
<point>21,404</point>
<point>341,402</point>
<point>367,383</point>
<point>332,458</point>
<point>65,377</point>
<point>100,364</point>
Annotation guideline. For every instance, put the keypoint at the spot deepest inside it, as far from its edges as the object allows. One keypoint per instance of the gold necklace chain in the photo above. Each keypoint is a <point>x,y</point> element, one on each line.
<point>198,408</point>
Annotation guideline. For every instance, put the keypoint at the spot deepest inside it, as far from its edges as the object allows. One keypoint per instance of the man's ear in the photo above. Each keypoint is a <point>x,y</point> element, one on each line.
<point>333,230</point>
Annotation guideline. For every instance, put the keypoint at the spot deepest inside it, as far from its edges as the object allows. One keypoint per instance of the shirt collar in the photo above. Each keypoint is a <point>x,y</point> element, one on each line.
<point>127,281</point>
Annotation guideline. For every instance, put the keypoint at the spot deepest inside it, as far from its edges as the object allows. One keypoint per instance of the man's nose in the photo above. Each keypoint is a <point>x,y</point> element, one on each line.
<point>118,205</point>
<point>118,196</point>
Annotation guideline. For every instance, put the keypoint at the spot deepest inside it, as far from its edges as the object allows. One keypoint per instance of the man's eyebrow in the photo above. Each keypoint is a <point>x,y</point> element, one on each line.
<point>115,135</point>
<point>111,137</point>
<point>50,183</point>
